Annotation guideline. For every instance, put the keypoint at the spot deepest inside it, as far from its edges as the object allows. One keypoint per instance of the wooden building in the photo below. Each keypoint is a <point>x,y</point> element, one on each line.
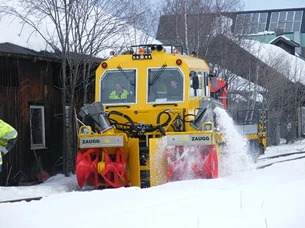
<point>31,102</point>
<point>285,43</point>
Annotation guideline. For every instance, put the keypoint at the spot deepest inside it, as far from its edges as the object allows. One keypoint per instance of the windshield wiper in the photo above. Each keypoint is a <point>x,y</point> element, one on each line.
<point>126,75</point>
<point>157,75</point>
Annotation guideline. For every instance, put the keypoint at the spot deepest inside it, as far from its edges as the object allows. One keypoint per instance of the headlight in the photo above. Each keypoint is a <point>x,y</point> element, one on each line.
<point>207,127</point>
<point>85,130</point>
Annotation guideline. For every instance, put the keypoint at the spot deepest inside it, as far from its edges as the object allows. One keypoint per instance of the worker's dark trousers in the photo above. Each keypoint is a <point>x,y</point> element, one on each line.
<point>11,143</point>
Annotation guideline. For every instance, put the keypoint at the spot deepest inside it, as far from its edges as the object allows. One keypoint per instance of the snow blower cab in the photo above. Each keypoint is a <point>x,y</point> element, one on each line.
<point>152,121</point>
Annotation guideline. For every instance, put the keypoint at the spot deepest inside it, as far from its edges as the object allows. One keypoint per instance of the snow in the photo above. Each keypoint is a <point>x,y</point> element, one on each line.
<point>234,158</point>
<point>289,65</point>
<point>263,33</point>
<point>238,83</point>
<point>282,36</point>
<point>272,197</point>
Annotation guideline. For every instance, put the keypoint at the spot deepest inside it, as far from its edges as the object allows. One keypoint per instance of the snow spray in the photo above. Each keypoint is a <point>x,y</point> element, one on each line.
<point>234,157</point>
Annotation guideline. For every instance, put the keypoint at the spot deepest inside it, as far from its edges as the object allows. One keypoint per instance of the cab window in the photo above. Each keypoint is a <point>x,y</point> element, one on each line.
<point>118,86</point>
<point>165,85</point>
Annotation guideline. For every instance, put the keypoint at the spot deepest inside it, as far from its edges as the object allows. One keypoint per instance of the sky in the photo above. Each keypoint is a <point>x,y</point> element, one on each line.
<point>272,4</point>
<point>244,197</point>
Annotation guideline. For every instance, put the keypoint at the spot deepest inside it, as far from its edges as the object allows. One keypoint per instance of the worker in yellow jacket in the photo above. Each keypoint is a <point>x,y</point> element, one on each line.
<point>8,139</point>
<point>118,93</point>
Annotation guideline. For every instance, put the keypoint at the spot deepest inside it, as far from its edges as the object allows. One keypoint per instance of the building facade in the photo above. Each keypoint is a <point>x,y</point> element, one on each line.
<point>261,25</point>
<point>30,102</point>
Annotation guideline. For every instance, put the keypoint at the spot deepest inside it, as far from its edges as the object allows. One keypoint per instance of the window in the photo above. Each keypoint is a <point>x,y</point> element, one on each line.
<point>290,16</point>
<point>165,85</point>
<point>118,86</point>
<point>275,17</point>
<point>290,21</point>
<point>250,23</point>
<point>37,127</point>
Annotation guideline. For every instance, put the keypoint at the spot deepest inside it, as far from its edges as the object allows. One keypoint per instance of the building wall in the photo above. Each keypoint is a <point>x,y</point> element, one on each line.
<point>34,86</point>
<point>256,23</point>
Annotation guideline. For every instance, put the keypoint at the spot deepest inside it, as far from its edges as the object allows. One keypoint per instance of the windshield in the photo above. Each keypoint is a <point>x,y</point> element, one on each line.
<point>118,86</point>
<point>165,85</point>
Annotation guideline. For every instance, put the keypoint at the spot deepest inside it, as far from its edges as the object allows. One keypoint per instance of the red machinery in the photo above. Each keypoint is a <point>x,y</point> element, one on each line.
<point>220,92</point>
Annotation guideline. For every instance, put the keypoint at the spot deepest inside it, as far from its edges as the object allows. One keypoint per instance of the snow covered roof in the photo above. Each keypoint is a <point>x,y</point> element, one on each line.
<point>9,48</point>
<point>230,55</point>
<point>285,40</point>
<point>289,65</point>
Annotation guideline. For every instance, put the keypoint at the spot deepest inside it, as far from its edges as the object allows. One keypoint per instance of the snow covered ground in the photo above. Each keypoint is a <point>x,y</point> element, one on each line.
<point>272,197</point>
<point>242,196</point>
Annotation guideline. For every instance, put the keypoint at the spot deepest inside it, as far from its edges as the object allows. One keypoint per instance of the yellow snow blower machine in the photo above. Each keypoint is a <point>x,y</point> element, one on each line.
<point>152,121</point>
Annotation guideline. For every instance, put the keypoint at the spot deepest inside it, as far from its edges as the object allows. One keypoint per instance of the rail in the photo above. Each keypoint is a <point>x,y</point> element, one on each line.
<point>288,157</point>
<point>268,161</point>
<point>22,199</point>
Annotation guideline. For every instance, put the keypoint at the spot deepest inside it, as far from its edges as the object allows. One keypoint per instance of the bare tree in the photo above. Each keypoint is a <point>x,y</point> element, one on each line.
<point>194,23</point>
<point>77,31</point>
<point>143,16</point>
<point>285,87</point>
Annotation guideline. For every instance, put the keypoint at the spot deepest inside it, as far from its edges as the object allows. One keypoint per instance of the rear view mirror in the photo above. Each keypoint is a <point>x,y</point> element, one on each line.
<point>195,79</point>
<point>195,82</point>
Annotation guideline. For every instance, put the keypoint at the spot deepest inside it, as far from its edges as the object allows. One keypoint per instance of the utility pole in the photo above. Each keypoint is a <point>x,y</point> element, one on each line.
<point>185,32</point>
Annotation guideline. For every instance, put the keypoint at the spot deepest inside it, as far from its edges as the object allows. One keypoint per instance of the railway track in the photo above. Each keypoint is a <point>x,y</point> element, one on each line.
<point>37,198</point>
<point>279,158</point>
<point>22,199</point>
<point>261,164</point>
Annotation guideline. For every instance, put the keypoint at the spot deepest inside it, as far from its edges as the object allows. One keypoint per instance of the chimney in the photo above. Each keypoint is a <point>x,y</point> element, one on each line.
<point>279,31</point>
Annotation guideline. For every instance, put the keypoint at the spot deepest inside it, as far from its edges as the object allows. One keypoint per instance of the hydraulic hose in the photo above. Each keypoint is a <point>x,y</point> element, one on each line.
<point>132,128</point>
<point>160,126</point>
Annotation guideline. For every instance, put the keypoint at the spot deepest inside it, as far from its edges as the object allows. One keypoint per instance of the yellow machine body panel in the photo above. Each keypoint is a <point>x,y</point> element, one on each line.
<point>134,163</point>
<point>253,125</point>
